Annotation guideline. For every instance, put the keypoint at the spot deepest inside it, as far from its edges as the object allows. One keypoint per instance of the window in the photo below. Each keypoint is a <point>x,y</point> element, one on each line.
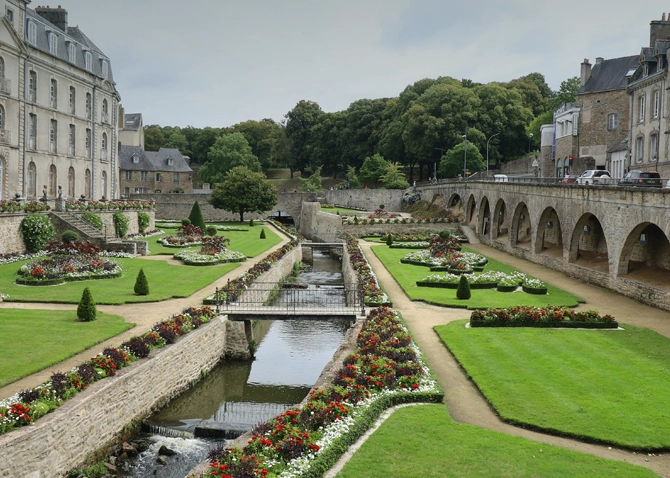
<point>175,177</point>
<point>2,117</point>
<point>129,175</point>
<point>639,148</point>
<point>641,109</point>
<point>73,99</point>
<point>88,58</point>
<point>2,68</point>
<point>105,112</point>
<point>53,182</point>
<point>103,147</point>
<point>103,181</point>
<point>653,147</point>
<point>126,191</point>
<point>70,182</point>
<point>32,180</point>
<point>71,140</point>
<point>72,52</point>
<point>32,33</point>
<point>53,136</point>
<point>32,86</point>
<point>158,177</point>
<point>53,43</point>
<point>53,94</point>
<point>9,13</point>
<point>136,159</point>
<point>88,142</point>
<point>170,161</point>
<point>104,66</point>
<point>657,98</point>
<point>612,121</point>
<point>32,131</point>
<point>141,190</point>
<point>144,176</point>
<point>89,107</point>
<point>87,183</point>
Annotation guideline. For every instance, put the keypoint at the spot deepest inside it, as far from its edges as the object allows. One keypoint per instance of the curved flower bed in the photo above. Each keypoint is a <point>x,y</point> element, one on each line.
<point>144,235</point>
<point>373,294</point>
<point>485,280</point>
<point>385,370</point>
<point>470,260</point>
<point>196,258</point>
<point>358,221</point>
<point>550,316</point>
<point>187,236</point>
<point>29,405</point>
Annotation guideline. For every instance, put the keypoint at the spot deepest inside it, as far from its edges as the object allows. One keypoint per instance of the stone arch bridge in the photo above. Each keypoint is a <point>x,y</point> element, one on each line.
<point>610,236</point>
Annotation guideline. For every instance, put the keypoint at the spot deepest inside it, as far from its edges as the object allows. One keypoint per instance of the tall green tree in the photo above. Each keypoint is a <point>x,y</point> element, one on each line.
<point>265,138</point>
<point>299,123</point>
<point>451,164</point>
<point>373,168</point>
<point>153,138</point>
<point>567,93</point>
<point>394,178</point>
<point>243,190</point>
<point>229,151</point>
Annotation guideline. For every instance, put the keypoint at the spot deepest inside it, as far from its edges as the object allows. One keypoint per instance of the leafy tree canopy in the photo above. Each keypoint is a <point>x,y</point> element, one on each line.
<point>243,190</point>
<point>227,152</point>
<point>312,183</point>
<point>451,164</point>
<point>394,178</point>
<point>153,138</point>
<point>373,168</point>
<point>567,93</point>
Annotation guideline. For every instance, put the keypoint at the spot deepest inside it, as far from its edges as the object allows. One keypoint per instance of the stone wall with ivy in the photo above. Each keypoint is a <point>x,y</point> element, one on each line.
<point>10,235</point>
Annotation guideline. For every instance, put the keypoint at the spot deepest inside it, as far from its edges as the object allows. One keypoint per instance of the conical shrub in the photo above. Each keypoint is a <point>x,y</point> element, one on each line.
<point>463,291</point>
<point>86,310</point>
<point>389,240</point>
<point>263,233</point>
<point>196,216</point>
<point>141,284</point>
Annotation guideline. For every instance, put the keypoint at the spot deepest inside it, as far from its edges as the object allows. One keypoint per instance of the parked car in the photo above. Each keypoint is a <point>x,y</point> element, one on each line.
<point>500,178</point>
<point>642,179</point>
<point>594,176</point>
<point>569,178</point>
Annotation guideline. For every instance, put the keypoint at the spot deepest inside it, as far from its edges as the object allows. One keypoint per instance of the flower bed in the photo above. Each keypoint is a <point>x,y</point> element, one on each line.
<point>358,221</point>
<point>386,369</point>
<point>373,293</point>
<point>471,260</point>
<point>534,286</point>
<point>29,405</point>
<point>29,207</point>
<point>196,258</point>
<point>522,316</point>
<point>109,205</point>
<point>144,235</point>
<point>187,236</point>
<point>409,245</point>
<point>486,280</point>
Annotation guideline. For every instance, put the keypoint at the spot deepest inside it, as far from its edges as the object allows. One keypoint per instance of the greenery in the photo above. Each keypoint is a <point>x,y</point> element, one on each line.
<point>407,275</point>
<point>120,224</point>
<point>424,441</point>
<point>262,233</point>
<point>228,152</point>
<point>243,190</point>
<point>46,348</point>
<point>389,239</point>
<point>143,221</point>
<point>373,168</point>
<point>463,291</point>
<point>196,216</point>
<point>313,182</point>
<point>394,178</point>
<point>211,230</point>
<point>541,317</point>
<point>569,382</point>
<point>141,284</point>
<point>37,231</point>
<point>69,236</point>
<point>86,310</point>
<point>93,219</point>
<point>451,164</point>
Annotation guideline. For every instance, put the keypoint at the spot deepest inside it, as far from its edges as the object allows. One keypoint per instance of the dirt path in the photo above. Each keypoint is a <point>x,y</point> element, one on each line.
<point>144,316</point>
<point>463,400</point>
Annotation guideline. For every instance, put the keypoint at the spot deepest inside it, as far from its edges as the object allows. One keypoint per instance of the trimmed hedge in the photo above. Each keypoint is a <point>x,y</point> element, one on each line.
<point>507,288</point>
<point>532,290</point>
<point>447,285</point>
<point>550,316</point>
<point>63,280</point>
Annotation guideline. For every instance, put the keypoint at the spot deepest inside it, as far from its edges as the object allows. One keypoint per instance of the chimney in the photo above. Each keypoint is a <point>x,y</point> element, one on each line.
<point>586,72</point>
<point>122,117</point>
<point>659,29</point>
<point>57,16</point>
<point>599,60</point>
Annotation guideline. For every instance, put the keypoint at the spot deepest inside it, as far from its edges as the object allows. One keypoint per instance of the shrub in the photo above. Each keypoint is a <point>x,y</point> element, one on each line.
<point>141,284</point>
<point>69,236</point>
<point>94,220</point>
<point>37,231</point>
<point>463,291</point>
<point>86,310</point>
<point>445,234</point>
<point>185,222</point>
<point>143,220</point>
<point>120,224</point>
<point>251,222</point>
<point>196,216</point>
<point>389,239</point>
<point>262,233</point>
<point>211,231</point>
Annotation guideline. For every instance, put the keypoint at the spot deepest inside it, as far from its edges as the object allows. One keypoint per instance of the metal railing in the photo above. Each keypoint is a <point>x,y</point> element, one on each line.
<point>611,182</point>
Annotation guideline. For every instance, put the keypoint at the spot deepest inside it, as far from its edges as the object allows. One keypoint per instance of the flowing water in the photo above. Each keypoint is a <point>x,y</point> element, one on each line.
<point>235,396</point>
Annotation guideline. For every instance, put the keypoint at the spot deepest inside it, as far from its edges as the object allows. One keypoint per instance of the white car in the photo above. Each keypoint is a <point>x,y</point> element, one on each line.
<point>594,176</point>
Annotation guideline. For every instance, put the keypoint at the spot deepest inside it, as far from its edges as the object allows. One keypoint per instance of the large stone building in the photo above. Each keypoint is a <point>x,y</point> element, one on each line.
<point>162,171</point>
<point>58,107</point>
<point>131,129</point>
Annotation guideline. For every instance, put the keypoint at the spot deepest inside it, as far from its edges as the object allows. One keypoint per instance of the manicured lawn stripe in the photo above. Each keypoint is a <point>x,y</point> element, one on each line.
<point>406,275</point>
<point>424,441</point>
<point>602,386</point>
<point>33,340</point>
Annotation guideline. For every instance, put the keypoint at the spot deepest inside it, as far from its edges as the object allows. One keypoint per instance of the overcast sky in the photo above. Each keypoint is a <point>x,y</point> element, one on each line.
<point>219,62</point>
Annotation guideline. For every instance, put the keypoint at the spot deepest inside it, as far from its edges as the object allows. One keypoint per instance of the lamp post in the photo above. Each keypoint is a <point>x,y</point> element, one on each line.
<point>465,155</point>
<point>487,153</point>
<point>530,136</point>
<point>435,164</point>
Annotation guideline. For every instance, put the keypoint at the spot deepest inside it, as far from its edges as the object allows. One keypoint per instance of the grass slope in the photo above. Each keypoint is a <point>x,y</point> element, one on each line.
<point>603,386</point>
<point>424,441</point>
<point>24,351</point>
<point>406,275</point>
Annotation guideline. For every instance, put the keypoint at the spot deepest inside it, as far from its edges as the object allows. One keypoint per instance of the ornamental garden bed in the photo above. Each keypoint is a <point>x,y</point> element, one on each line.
<point>562,317</point>
<point>197,258</point>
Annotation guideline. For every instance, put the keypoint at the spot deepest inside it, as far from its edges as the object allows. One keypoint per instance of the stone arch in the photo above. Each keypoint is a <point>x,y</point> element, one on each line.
<point>520,228</point>
<point>31,180</point>
<point>588,244</point>
<point>645,256</point>
<point>87,183</point>
<point>53,180</point>
<point>454,207</point>
<point>471,211</point>
<point>484,220</point>
<point>549,235</point>
<point>500,226</point>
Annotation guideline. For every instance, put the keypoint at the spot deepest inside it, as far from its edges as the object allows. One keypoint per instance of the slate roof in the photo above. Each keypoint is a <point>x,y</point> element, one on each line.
<point>74,35</point>
<point>132,121</point>
<point>620,146</point>
<point>152,160</point>
<point>609,75</point>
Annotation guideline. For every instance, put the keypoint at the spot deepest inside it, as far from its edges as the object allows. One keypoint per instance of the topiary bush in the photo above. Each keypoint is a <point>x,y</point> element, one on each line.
<point>37,231</point>
<point>143,221</point>
<point>262,233</point>
<point>86,310</point>
<point>251,222</point>
<point>120,224</point>
<point>389,240</point>
<point>196,216</point>
<point>69,236</point>
<point>463,291</point>
<point>94,220</point>
<point>141,284</point>
<point>211,231</point>
<point>186,222</point>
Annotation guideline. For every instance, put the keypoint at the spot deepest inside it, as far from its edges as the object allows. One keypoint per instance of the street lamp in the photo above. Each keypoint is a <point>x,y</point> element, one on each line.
<point>530,136</point>
<point>435,164</point>
<point>487,153</point>
<point>465,155</point>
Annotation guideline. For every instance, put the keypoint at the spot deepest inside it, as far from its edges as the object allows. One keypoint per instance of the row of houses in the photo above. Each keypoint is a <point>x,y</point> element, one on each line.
<point>61,122</point>
<point>620,120</point>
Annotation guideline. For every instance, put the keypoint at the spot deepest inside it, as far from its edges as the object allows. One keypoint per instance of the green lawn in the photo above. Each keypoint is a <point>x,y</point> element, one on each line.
<point>342,210</point>
<point>165,282</point>
<point>24,351</point>
<point>406,275</point>
<point>606,386</point>
<point>423,441</point>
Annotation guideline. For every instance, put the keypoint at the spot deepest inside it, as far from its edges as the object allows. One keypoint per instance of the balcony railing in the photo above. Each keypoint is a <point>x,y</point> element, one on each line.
<point>6,86</point>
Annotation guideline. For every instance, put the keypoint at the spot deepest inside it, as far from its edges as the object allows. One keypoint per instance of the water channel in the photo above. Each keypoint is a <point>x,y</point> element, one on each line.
<point>238,395</point>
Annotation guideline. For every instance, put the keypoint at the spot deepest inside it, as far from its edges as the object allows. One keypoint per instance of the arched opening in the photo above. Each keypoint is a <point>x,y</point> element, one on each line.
<point>87,183</point>
<point>520,234</point>
<point>645,256</point>
<point>559,168</point>
<point>501,226</point>
<point>471,211</point>
<point>549,237</point>
<point>588,245</point>
<point>53,180</point>
<point>70,182</point>
<point>485,219</point>
<point>454,208</point>
<point>103,185</point>
<point>32,180</point>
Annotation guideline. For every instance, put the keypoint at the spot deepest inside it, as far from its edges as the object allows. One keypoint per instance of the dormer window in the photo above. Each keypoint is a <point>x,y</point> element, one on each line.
<point>72,52</point>
<point>136,158</point>
<point>170,161</point>
<point>53,43</point>
<point>104,67</point>
<point>32,33</point>
<point>88,57</point>
<point>9,13</point>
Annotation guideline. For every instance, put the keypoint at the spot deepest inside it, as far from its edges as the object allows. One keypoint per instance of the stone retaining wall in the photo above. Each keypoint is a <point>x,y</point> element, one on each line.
<point>11,239</point>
